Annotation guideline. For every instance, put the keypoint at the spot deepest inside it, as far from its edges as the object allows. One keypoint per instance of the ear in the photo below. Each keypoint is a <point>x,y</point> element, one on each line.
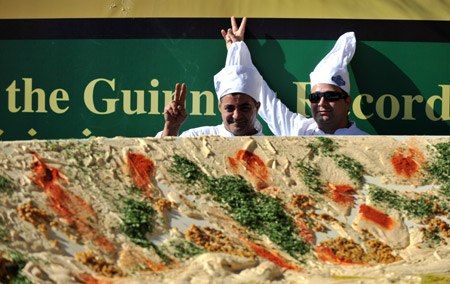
<point>258,104</point>
<point>220,106</point>
<point>348,102</point>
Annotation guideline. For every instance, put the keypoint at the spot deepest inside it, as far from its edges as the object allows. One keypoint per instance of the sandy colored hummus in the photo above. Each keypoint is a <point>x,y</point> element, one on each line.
<point>225,210</point>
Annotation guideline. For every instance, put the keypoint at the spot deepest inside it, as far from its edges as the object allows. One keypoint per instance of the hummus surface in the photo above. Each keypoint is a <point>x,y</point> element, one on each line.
<point>225,210</point>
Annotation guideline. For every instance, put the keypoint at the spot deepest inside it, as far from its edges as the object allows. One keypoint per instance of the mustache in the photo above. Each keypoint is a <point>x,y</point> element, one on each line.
<point>232,120</point>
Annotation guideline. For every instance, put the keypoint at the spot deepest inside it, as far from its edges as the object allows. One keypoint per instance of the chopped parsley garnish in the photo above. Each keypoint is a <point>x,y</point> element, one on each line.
<point>19,259</point>
<point>353,168</point>
<point>325,145</point>
<point>161,254</point>
<point>187,169</point>
<point>445,189</point>
<point>260,213</point>
<point>310,176</point>
<point>185,249</point>
<point>138,221</point>
<point>439,167</point>
<point>421,207</point>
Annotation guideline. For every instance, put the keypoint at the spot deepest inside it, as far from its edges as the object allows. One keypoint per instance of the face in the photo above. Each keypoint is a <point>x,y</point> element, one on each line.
<point>330,116</point>
<point>239,113</point>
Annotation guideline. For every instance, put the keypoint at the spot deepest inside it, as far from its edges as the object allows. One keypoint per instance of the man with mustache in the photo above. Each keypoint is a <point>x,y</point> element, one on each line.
<point>238,86</point>
<point>330,88</point>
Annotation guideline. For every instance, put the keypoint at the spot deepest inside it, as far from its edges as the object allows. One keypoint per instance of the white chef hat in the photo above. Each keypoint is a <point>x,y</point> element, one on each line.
<point>333,68</point>
<point>239,75</point>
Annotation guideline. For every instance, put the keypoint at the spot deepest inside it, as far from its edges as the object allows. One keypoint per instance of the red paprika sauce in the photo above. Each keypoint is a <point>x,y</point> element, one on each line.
<point>67,205</point>
<point>141,170</point>
<point>255,168</point>
<point>407,164</point>
<point>342,194</point>
<point>377,217</point>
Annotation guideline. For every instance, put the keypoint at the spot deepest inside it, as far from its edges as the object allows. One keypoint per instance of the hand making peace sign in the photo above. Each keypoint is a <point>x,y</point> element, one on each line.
<point>175,112</point>
<point>234,33</point>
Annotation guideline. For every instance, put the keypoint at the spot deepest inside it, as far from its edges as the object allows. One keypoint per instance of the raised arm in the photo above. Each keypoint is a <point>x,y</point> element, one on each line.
<point>175,112</point>
<point>281,121</point>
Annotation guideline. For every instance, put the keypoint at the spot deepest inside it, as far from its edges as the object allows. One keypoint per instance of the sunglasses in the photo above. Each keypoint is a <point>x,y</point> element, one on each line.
<point>329,96</point>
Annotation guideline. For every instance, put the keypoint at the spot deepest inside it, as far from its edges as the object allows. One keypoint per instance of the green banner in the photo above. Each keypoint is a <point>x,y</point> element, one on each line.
<point>78,88</point>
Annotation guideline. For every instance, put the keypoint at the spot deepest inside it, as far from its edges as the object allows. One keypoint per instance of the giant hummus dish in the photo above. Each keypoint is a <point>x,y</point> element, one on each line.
<point>216,210</point>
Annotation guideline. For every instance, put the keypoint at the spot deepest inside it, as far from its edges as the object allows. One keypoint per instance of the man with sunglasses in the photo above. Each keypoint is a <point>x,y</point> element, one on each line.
<point>329,107</point>
<point>330,86</point>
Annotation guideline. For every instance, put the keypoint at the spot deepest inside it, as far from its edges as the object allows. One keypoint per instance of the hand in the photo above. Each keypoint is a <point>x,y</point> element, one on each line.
<point>234,34</point>
<point>175,112</point>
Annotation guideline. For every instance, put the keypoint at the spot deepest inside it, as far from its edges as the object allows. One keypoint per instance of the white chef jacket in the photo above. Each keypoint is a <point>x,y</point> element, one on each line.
<point>282,121</point>
<point>214,130</point>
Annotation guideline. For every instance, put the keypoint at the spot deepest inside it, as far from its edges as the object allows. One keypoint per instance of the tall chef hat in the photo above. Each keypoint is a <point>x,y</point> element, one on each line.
<point>239,75</point>
<point>333,68</point>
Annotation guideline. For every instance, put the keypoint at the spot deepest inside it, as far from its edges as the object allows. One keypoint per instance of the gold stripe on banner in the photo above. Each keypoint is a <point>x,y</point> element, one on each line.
<point>320,9</point>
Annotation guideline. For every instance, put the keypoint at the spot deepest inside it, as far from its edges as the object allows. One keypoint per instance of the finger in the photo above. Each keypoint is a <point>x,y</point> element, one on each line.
<point>224,34</point>
<point>183,95</point>
<point>171,108</point>
<point>233,24</point>
<point>230,35</point>
<point>169,111</point>
<point>182,111</point>
<point>225,37</point>
<point>242,26</point>
<point>177,92</point>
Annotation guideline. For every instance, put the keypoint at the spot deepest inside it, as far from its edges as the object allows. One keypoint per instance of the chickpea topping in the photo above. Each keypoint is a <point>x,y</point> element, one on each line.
<point>381,252</point>
<point>164,204</point>
<point>213,240</point>
<point>348,250</point>
<point>327,217</point>
<point>367,234</point>
<point>305,210</point>
<point>441,225</point>
<point>438,227</point>
<point>32,215</point>
<point>99,265</point>
<point>302,201</point>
